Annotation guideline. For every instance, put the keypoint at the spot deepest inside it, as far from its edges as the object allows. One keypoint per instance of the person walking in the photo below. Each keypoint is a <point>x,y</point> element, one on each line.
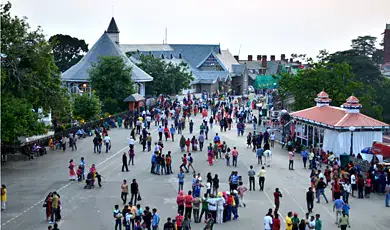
<point>134,192</point>
<point>201,141</point>
<point>338,208</point>
<point>262,178</point>
<point>291,160</point>
<point>241,190</point>
<point>304,157</point>
<point>346,191</point>
<point>387,197</point>
<point>321,185</point>
<point>172,130</point>
<point>188,200</point>
<point>259,154</point>
<point>54,208</point>
<point>107,143</point>
<point>124,162</point>
<point>251,175</point>
<point>235,156</point>
<point>310,199</point>
<point>344,221</point>
<point>215,184</point>
<point>82,166</point>
<point>125,191</point>
<point>180,176</point>
<point>277,196</point>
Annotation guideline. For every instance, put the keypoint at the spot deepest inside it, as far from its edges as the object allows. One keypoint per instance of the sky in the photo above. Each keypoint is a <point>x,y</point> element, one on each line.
<point>245,27</point>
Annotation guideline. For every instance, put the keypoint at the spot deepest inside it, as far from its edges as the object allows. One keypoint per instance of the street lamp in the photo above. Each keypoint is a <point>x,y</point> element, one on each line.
<point>351,129</point>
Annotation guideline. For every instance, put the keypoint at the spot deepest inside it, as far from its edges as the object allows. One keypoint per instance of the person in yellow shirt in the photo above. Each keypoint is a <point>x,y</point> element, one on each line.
<point>3,197</point>
<point>289,223</point>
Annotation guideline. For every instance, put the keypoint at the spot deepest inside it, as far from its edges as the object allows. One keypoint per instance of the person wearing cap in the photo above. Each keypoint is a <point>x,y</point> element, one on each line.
<point>295,221</point>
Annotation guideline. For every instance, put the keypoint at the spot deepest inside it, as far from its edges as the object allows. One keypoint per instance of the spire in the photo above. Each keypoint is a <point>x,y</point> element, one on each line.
<point>322,99</point>
<point>113,31</point>
<point>352,105</point>
<point>112,28</point>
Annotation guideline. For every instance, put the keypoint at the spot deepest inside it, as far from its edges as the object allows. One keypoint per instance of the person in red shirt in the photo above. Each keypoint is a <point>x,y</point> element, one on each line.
<point>180,202</point>
<point>166,133</point>
<point>188,203</point>
<point>336,189</point>
<point>276,222</point>
<point>277,195</point>
<point>179,220</point>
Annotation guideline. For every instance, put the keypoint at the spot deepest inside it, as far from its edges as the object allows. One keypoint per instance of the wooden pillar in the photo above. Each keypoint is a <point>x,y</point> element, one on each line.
<point>307,135</point>
<point>314,132</point>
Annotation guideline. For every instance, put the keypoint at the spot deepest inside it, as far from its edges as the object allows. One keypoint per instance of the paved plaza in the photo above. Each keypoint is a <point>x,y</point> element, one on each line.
<point>29,182</point>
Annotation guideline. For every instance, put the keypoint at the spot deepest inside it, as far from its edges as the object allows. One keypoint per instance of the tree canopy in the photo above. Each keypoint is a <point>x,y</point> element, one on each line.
<point>67,50</point>
<point>111,79</point>
<point>168,78</point>
<point>335,78</point>
<point>364,45</point>
<point>86,107</point>
<point>29,76</point>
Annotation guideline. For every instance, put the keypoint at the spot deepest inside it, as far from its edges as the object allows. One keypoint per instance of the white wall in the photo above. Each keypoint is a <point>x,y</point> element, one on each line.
<point>340,142</point>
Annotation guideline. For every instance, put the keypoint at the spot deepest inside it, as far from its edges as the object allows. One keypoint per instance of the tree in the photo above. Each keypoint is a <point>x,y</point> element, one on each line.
<point>364,45</point>
<point>110,106</point>
<point>18,119</point>
<point>86,107</point>
<point>335,78</point>
<point>111,78</point>
<point>168,78</point>
<point>28,72</point>
<point>67,50</point>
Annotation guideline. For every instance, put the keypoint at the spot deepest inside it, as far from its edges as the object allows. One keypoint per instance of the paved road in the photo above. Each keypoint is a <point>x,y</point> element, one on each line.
<point>29,182</point>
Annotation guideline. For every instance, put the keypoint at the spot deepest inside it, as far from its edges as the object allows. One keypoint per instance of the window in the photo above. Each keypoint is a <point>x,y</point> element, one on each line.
<point>211,63</point>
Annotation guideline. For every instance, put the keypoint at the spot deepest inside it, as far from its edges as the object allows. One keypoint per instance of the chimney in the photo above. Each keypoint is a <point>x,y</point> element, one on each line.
<point>282,57</point>
<point>249,57</point>
<point>258,57</point>
<point>272,57</point>
<point>291,60</point>
<point>264,61</point>
<point>236,57</point>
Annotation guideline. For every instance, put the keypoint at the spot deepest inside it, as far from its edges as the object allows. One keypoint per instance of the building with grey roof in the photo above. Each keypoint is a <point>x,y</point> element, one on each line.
<point>211,67</point>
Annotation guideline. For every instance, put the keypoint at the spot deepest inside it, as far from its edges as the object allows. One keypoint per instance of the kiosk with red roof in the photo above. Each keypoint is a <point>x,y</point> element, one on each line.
<point>338,129</point>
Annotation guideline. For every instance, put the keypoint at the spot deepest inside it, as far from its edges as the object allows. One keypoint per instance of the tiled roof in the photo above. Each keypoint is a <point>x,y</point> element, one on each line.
<point>272,67</point>
<point>103,47</point>
<point>112,28</point>
<point>208,77</point>
<point>237,69</point>
<point>322,94</point>
<point>336,117</point>
<point>145,47</point>
<point>227,59</point>
<point>134,98</point>
<point>252,64</point>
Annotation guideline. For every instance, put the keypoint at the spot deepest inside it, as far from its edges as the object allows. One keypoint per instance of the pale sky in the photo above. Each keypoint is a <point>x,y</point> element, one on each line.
<point>260,27</point>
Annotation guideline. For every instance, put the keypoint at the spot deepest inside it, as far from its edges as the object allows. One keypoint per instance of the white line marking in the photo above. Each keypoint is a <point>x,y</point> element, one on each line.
<point>295,201</point>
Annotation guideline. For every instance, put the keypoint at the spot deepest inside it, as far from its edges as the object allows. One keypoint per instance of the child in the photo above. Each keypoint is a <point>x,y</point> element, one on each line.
<point>99,179</point>
<point>79,174</point>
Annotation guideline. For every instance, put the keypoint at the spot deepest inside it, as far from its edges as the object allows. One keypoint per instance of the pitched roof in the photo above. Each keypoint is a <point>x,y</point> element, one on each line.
<point>209,77</point>
<point>103,47</point>
<point>134,98</point>
<point>237,69</point>
<point>336,117</point>
<point>112,28</point>
<point>227,59</point>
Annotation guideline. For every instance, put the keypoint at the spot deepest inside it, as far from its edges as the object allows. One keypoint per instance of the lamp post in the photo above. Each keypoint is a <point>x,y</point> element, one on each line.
<point>351,129</point>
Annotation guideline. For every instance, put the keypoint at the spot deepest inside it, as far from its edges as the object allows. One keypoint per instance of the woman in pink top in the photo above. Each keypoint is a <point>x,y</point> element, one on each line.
<point>241,190</point>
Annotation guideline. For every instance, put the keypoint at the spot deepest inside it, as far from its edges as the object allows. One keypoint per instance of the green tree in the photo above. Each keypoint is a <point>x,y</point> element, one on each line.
<point>86,107</point>
<point>18,119</point>
<point>110,106</point>
<point>168,78</point>
<point>335,78</point>
<point>111,78</point>
<point>28,71</point>
<point>67,50</point>
<point>364,45</point>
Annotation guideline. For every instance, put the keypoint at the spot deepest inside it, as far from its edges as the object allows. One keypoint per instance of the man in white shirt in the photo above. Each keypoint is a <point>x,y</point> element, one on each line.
<point>353,184</point>
<point>267,222</point>
<point>272,138</point>
<point>107,142</point>
<point>148,121</point>
<point>131,142</point>
<point>311,159</point>
<point>312,223</point>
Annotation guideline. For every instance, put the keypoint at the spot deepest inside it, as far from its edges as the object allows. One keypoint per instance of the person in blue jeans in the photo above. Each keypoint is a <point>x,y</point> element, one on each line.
<point>118,218</point>
<point>387,201</point>
<point>181,180</point>
<point>321,185</point>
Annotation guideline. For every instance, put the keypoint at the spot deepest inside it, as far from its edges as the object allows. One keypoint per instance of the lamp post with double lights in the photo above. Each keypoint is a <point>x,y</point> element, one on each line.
<point>352,129</point>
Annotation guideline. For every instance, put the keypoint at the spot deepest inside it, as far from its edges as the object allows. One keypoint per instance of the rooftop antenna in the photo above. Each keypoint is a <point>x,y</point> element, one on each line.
<point>239,50</point>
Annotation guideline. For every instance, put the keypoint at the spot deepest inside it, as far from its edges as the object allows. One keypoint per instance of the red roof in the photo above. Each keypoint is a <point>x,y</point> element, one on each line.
<point>352,99</point>
<point>337,117</point>
<point>322,94</point>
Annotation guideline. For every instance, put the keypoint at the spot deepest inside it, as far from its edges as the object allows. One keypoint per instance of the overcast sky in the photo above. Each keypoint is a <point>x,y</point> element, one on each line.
<point>259,27</point>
